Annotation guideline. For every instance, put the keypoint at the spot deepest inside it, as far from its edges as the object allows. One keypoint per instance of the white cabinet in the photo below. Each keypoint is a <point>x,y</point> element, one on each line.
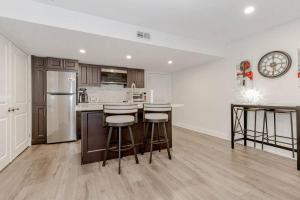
<point>14,102</point>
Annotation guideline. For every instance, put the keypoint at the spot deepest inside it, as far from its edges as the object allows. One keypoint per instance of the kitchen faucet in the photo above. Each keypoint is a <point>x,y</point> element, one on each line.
<point>133,88</point>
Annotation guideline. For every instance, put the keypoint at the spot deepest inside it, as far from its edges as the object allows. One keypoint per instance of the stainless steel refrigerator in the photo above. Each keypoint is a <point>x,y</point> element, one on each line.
<point>61,101</point>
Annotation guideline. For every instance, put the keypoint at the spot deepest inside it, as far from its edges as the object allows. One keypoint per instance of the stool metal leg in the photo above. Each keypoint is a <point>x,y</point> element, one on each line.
<point>107,146</point>
<point>292,132</point>
<point>145,135</point>
<point>158,131</point>
<point>151,143</point>
<point>255,116</point>
<point>133,145</point>
<point>120,143</point>
<point>167,140</point>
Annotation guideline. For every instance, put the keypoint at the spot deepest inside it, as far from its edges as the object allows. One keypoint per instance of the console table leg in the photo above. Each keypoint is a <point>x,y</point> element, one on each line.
<point>298,136</point>
<point>232,131</point>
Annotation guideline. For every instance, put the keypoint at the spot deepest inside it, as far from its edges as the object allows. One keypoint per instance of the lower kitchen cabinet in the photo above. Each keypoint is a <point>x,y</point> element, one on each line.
<point>39,130</point>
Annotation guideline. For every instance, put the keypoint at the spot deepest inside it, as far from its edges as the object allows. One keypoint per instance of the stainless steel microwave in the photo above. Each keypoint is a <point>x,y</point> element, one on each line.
<point>113,76</point>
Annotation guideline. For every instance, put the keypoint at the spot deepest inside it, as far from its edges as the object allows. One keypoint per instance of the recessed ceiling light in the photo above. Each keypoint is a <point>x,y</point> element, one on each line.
<point>128,57</point>
<point>249,10</point>
<point>82,51</point>
<point>170,62</point>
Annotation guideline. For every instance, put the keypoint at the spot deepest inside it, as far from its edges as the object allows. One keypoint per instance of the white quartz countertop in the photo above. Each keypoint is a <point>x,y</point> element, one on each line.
<point>99,106</point>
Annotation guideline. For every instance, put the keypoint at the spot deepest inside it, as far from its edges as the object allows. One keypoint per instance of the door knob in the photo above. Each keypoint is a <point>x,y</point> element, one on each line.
<point>13,109</point>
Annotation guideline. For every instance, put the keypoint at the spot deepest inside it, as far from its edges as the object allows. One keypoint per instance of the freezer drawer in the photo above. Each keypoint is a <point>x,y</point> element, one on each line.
<point>61,118</point>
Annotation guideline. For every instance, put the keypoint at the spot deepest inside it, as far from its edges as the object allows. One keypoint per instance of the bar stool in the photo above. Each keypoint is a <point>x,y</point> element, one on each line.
<point>274,138</point>
<point>120,116</point>
<point>256,134</point>
<point>157,114</point>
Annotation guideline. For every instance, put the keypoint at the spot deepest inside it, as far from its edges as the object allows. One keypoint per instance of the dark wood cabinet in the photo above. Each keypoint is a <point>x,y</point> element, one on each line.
<point>70,64</point>
<point>93,74</point>
<point>55,63</point>
<point>38,87</point>
<point>130,77</point>
<point>89,75</point>
<point>140,78</point>
<point>136,76</point>
<point>82,75</point>
<point>39,130</point>
<point>38,62</point>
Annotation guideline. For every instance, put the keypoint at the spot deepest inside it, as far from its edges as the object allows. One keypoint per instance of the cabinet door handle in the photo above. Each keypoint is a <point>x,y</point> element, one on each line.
<point>17,108</point>
<point>9,110</point>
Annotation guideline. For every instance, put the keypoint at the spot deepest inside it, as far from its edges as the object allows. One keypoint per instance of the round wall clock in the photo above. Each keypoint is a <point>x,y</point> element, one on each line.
<point>274,64</point>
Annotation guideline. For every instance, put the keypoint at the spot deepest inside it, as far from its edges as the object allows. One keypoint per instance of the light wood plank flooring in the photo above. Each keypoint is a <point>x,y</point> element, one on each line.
<point>203,167</point>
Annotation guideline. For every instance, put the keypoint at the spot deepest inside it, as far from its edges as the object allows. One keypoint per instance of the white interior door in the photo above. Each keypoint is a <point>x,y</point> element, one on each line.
<point>20,115</point>
<point>4,104</point>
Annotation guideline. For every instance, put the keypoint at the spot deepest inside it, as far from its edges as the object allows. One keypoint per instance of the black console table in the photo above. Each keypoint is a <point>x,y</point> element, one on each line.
<point>268,107</point>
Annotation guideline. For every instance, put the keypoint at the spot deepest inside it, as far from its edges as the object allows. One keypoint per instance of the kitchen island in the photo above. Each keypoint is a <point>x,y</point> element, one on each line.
<point>90,125</point>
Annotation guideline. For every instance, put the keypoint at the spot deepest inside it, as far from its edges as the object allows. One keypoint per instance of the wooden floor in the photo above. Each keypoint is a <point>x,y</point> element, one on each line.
<point>203,167</point>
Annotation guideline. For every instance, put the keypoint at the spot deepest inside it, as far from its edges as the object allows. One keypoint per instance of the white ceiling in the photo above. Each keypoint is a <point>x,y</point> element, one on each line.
<point>216,21</point>
<point>44,40</point>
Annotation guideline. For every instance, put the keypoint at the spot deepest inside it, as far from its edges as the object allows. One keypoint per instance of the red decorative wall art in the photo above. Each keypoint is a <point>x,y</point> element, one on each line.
<point>244,73</point>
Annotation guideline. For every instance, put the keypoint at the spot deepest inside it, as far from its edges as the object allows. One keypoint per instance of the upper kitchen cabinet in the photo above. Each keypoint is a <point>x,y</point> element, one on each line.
<point>94,75</point>
<point>136,76</point>
<point>61,64</point>
<point>38,81</point>
<point>82,75</point>
<point>89,75</point>
<point>38,86</point>
<point>38,62</point>
<point>71,64</point>
<point>55,63</point>
<point>140,78</point>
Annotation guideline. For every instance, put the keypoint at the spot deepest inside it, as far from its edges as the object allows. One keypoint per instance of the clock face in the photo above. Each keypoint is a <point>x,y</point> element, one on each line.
<point>274,64</point>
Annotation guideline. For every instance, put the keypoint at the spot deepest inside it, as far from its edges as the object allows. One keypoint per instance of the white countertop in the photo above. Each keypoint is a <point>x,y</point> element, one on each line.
<point>99,106</point>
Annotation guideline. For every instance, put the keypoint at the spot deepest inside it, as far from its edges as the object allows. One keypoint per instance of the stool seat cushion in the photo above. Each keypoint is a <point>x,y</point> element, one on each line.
<point>156,116</point>
<point>119,119</point>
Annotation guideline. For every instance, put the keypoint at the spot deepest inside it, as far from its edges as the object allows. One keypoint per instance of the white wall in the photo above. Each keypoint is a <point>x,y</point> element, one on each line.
<point>207,91</point>
<point>161,84</point>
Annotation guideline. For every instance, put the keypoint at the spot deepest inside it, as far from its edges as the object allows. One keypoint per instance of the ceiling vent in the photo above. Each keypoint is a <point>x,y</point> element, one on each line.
<point>143,35</point>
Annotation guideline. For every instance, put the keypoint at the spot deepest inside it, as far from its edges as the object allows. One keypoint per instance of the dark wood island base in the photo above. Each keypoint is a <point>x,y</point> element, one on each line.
<point>94,136</point>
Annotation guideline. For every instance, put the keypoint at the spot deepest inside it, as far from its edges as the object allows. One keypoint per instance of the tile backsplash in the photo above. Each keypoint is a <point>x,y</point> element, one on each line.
<point>108,93</point>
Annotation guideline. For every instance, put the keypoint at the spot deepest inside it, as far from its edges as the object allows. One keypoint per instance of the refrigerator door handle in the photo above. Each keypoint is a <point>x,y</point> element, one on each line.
<point>61,93</point>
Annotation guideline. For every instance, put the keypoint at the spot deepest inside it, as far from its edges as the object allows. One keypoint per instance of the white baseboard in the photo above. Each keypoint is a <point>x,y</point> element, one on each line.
<point>202,130</point>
